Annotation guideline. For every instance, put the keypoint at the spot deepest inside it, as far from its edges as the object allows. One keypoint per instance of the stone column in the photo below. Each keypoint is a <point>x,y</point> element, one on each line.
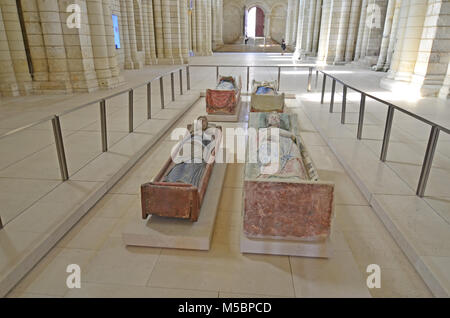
<point>290,23</point>
<point>343,31</point>
<point>35,41</point>
<point>317,23</point>
<point>80,58</point>
<point>217,14</point>
<point>112,54</point>
<point>394,35</point>
<point>128,62</point>
<point>15,42</point>
<point>159,35</point>
<point>8,83</point>
<point>312,15</point>
<point>444,93</point>
<point>301,30</point>
<point>167,32</point>
<point>386,35</point>
<point>412,38</point>
<point>98,40</point>
<point>324,31</point>
<point>208,27</point>
<point>59,79</point>
<point>375,35</point>
<point>145,18</point>
<point>184,27</point>
<point>433,56</point>
<point>361,28</point>
<point>132,34</point>
<point>175,22</point>
<point>355,14</point>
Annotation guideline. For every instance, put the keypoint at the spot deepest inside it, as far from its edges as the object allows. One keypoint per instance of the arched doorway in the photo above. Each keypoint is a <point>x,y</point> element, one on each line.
<point>254,22</point>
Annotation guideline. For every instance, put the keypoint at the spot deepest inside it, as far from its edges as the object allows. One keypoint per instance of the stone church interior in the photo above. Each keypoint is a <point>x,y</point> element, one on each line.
<point>224,149</point>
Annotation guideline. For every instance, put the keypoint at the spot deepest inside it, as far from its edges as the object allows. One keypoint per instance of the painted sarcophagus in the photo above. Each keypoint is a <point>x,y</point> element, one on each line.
<point>265,97</point>
<point>283,196</point>
<point>224,100</point>
<point>179,188</point>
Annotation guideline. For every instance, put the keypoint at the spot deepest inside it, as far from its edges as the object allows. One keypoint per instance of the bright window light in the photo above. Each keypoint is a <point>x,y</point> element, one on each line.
<point>251,23</point>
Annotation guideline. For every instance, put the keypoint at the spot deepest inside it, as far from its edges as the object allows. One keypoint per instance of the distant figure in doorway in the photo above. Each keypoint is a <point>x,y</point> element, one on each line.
<point>283,46</point>
<point>246,39</point>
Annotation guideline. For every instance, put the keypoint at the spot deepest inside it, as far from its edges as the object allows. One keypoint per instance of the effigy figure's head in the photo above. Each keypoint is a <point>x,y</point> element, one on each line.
<point>273,120</point>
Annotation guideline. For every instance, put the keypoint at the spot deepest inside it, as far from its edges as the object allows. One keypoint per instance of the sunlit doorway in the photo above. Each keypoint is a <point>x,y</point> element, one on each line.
<point>254,26</point>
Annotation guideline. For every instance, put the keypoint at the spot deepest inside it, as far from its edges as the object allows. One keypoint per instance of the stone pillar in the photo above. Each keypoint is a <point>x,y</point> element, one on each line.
<point>343,31</point>
<point>317,23</point>
<point>322,52</point>
<point>132,34</point>
<point>433,56</point>
<point>290,22</point>
<point>208,28</point>
<point>361,28</point>
<point>355,14</point>
<point>375,34</point>
<point>412,38</point>
<point>8,83</point>
<point>16,46</point>
<point>112,54</point>
<point>444,93</point>
<point>310,35</point>
<point>80,56</point>
<point>217,15</point>
<point>128,62</point>
<point>184,27</point>
<point>394,35</point>
<point>147,37</point>
<point>386,35</point>
<point>301,30</point>
<point>175,18</point>
<point>98,40</point>
<point>59,79</point>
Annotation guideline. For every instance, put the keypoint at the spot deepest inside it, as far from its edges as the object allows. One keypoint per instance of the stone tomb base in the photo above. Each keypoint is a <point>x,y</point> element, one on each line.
<point>240,116</point>
<point>180,234</point>
<point>285,248</point>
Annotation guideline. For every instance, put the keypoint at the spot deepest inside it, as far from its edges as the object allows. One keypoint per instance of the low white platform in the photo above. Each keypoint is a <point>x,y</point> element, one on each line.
<point>180,234</point>
<point>240,116</point>
<point>285,248</point>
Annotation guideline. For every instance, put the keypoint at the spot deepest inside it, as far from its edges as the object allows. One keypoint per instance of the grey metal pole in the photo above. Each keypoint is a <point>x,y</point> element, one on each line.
<point>248,79</point>
<point>130,111</point>
<point>188,77</point>
<point>344,104</point>
<point>172,85</point>
<point>279,77</point>
<point>60,148</point>
<point>217,72</point>
<point>362,110</point>
<point>181,81</point>
<point>309,79</point>
<point>317,79</point>
<point>387,133</point>
<point>324,84</point>
<point>428,161</point>
<point>161,91</point>
<point>149,100</point>
<point>103,126</point>
<point>333,90</point>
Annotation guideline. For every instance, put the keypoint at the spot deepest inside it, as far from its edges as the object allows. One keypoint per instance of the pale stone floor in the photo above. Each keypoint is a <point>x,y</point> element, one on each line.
<point>109,269</point>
